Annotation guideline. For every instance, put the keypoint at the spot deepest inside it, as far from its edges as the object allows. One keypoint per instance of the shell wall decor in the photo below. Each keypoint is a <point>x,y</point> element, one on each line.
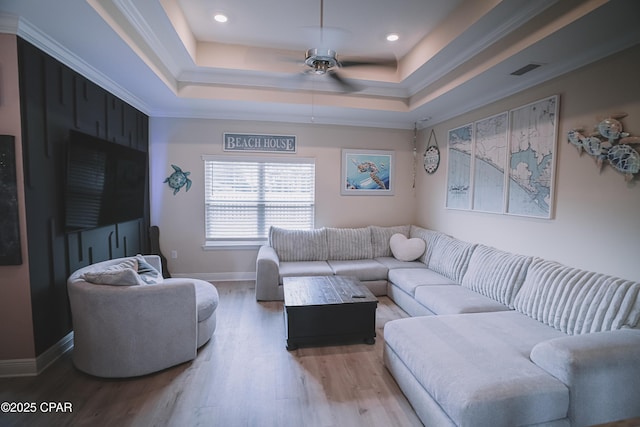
<point>607,142</point>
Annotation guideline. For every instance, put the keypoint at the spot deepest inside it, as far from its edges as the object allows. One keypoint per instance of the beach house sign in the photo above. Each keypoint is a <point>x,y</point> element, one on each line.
<point>249,142</point>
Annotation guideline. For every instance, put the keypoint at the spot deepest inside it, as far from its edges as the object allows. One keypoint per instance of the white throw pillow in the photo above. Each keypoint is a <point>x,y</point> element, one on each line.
<point>406,249</point>
<point>123,274</point>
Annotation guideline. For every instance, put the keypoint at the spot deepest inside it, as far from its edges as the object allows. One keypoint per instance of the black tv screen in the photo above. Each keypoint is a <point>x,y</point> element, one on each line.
<point>105,182</point>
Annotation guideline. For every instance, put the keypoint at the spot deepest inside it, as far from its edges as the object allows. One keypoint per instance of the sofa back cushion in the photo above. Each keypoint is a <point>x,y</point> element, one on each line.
<point>380,237</point>
<point>450,257</point>
<point>429,236</point>
<point>496,274</point>
<point>577,301</point>
<point>299,245</point>
<point>349,243</point>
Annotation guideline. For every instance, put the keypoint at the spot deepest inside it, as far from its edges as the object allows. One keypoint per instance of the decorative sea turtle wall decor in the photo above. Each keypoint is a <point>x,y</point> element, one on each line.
<point>607,142</point>
<point>178,179</point>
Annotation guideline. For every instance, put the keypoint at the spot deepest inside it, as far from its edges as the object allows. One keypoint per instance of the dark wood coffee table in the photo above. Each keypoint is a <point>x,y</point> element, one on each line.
<point>328,309</point>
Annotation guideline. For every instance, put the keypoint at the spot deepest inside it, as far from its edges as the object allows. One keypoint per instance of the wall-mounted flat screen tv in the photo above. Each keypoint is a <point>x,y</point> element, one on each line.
<point>105,182</point>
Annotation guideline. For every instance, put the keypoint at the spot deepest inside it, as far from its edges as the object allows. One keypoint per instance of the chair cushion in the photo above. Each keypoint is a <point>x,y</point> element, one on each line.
<point>206,296</point>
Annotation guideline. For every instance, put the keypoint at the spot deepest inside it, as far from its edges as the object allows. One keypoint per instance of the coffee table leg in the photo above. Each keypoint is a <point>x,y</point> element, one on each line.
<point>291,346</point>
<point>370,340</point>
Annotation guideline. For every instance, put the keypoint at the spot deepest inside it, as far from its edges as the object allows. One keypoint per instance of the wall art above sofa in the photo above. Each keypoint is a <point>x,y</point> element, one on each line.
<point>505,163</point>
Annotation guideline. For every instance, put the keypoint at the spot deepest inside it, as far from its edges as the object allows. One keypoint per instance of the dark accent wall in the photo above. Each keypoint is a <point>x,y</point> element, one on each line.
<point>55,99</point>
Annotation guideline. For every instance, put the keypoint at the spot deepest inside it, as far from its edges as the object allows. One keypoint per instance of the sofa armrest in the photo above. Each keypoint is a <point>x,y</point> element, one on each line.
<point>124,331</point>
<point>268,275</point>
<point>601,371</point>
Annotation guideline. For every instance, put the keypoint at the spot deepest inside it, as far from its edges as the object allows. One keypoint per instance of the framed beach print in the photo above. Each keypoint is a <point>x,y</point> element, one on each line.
<point>489,162</point>
<point>532,153</point>
<point>459,146</point>
<point>367,172</point>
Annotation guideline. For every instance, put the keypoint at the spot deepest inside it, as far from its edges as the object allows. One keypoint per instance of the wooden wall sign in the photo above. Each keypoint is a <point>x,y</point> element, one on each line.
<point>259,143</point>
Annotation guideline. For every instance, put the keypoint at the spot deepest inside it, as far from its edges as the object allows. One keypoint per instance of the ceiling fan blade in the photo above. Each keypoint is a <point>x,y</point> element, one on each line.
<point>369,62</point>
<point>345,85</point>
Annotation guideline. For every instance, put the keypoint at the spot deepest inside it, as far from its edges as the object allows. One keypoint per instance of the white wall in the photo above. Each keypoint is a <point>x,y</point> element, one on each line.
<point>597,214</point>
<point>181,217</point>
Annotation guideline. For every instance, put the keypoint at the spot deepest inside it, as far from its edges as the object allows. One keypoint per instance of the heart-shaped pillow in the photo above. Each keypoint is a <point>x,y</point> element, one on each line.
<point>406,249</point>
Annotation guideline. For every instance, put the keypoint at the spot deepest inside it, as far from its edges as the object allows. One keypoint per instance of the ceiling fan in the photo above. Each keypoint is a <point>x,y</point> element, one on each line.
<point>324,61</point>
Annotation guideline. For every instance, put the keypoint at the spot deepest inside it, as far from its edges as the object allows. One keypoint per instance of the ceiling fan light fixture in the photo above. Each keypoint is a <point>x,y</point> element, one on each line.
<point>393,37</point>
<point>320,60</point>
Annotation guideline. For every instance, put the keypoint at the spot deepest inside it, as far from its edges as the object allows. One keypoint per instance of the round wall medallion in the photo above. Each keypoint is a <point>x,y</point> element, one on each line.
<point>431,159</point>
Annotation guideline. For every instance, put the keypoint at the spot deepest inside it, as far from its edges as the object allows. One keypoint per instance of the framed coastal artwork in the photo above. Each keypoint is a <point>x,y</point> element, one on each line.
<point>505,163</point>
<point>532,158</point>
<point>459,146</point>
<point>367,172</point>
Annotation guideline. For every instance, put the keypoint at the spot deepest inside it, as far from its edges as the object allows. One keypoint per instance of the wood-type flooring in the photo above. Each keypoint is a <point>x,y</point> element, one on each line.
<point>243,377</point>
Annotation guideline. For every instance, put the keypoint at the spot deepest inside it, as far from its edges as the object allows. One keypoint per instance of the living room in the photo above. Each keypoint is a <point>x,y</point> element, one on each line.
<point>592,225</point>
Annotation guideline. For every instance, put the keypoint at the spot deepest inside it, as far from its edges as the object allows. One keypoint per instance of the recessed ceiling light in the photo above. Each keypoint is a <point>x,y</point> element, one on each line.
<point>393,37</point>
<point>219,17</point>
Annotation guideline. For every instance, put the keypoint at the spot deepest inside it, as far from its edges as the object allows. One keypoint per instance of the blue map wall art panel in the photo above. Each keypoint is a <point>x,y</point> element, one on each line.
<point>532,146</point>
<point>459,146</point>
<point>505,163</point>
<point>489,160</point>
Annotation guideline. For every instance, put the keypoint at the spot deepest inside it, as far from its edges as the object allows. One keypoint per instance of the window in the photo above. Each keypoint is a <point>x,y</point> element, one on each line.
<point>244,197</point>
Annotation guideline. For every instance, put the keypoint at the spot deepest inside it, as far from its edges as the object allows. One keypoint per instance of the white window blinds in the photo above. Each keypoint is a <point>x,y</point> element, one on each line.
<point>243,198</point>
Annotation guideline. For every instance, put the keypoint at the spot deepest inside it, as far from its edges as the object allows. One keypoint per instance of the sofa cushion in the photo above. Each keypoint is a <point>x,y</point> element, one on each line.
<point>122,274</point>
<point>362,269</point>
<point>576,301</point>
<point>406,249</point>
<point>447,299</point>
<point>408,279</point>
<point>299,245</point>
<point>391,263</point>
<point>450,257</point>
<point>304,268</point>
<point>477,367</point>
<point>349,243</point>
<point>496,274</point>
<point>380,238</point>
<point>430,237</point>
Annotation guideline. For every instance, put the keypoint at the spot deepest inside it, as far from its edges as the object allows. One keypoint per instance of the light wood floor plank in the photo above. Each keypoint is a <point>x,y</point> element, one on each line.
<point>243,377</point>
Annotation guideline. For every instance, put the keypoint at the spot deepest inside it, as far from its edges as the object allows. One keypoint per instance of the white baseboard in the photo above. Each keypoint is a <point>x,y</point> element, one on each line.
<point>218,277</point>
<point>33,366</point>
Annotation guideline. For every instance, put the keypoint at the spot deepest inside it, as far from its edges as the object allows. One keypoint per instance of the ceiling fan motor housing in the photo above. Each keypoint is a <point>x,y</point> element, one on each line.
<point>321,60</point>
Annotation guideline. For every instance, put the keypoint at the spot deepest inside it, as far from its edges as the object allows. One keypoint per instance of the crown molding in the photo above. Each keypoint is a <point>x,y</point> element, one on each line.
<point>24,29</point>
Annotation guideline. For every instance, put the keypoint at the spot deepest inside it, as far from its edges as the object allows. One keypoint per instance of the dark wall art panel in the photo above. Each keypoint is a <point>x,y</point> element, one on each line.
<point>10,249</point>
<point>56,101</point>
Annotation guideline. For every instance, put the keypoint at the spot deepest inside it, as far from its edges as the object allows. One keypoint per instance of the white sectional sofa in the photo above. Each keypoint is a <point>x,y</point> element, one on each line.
<point>496,339</point>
